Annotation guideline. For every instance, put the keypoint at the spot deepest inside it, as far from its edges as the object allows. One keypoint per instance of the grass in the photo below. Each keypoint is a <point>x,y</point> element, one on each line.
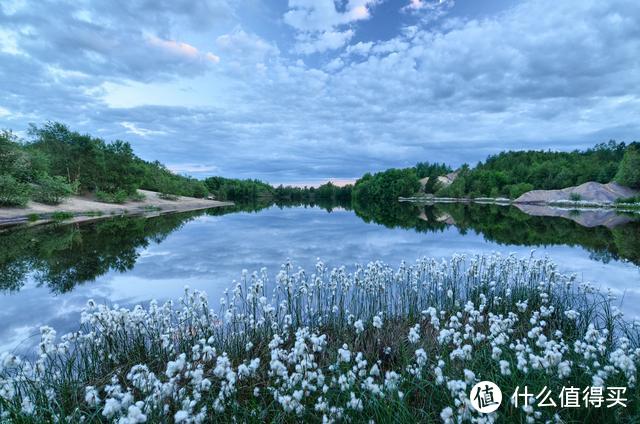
<point>168,196</point>
<point>381,344</point>
<point>61,216</point>
<point>93,213</point>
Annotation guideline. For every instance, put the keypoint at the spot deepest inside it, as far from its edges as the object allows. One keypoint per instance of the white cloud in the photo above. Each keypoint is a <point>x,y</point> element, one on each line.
<point>541,74</point>
<point>323,41</point>
<point>323,15</point>
<point>142,132</point>
<point>320,24</point>
<point>245,47</point>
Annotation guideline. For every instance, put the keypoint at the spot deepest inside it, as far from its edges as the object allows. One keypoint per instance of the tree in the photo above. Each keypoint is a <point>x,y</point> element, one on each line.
<point>13,192</point>
<point>629,169</point>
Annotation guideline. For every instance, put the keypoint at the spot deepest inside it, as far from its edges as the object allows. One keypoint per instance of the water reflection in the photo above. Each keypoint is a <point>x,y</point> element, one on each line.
<point>48,273</point>
<point>606,234</point>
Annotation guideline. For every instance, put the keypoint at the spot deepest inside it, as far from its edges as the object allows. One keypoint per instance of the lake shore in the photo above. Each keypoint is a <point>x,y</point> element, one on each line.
<point>566,204</point>
<point>88,208</point>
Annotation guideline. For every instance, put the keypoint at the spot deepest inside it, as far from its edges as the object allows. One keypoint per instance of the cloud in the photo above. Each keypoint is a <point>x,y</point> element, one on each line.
<point>320,24</point>
<point>322,15</point>
<point>244,47</point>
<point>131,39</point>
<point>541,74</point>
<point>323,41</point>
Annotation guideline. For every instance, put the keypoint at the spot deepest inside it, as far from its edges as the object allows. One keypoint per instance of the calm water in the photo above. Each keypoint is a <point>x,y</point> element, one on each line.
<point>47,274</point>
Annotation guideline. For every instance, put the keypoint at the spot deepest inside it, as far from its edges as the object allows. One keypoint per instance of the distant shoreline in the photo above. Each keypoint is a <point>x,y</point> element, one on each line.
<point>78,209</point>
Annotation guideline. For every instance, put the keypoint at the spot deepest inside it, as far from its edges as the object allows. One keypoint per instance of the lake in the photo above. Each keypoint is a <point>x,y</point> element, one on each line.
<point>48,273</point>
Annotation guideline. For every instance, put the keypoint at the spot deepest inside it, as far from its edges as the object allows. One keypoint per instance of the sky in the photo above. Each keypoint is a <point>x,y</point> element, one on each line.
<point>301,91</point>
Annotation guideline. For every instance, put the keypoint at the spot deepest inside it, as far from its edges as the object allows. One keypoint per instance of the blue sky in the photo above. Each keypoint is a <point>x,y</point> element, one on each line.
<point>305,90</point>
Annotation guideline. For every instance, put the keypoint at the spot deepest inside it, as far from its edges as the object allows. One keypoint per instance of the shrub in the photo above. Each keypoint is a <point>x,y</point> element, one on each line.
<point>13,192</point>
<point>628,200</point>
<point>517,190</point>
<point>167,196</point>
<point>137,196</point>
<point>575,197</point>
<point>33,217</point>
<point>119,196</point>
<point>52,190</point>
<point>61,216</point>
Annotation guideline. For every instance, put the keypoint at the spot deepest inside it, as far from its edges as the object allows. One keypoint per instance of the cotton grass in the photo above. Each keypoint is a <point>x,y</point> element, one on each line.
<point>374,345</point>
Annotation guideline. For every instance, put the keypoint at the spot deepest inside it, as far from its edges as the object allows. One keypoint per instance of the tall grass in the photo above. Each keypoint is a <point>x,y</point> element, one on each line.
<point>377,344</point>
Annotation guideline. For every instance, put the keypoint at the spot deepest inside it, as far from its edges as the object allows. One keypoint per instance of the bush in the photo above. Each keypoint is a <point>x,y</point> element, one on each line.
<point>13,192</point>
<point>119,196</point>
<point>517,190</point>
<point>61,216</point>
<point>167,196</point>
<point>52,190</point>
<point>137,196</point>
<point>628,200</point>
<point>575,197</point>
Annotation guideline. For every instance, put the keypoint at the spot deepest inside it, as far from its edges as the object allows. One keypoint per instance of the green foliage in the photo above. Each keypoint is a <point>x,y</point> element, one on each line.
<point>432,171</point>
<point>256,191</point>
<point>628,200</point>
<point>238,190</point>
<point>168,196</point>
<point>575,197</point>
<point>512,173</point>
<point>385,187</point>
<point>61,216</point>
<point>119,196</point>
<point>56,154</point>
<point>33,217</point>
<point>517,190</point>
<point>629,171</point>
<point>137,197</point>
<point>13,192</point>
<point>157,177</point>
<point>52,190</point>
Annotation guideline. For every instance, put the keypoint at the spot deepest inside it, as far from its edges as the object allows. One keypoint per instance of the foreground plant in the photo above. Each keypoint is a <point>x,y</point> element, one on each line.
<point>378,344</point>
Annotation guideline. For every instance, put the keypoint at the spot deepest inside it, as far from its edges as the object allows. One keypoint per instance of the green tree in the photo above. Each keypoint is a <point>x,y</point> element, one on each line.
<point>629,169</point>
<point>13,192</point>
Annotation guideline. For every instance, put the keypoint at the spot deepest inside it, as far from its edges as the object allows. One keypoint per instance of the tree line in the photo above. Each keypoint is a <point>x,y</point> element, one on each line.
<point>57,162</point>
<point>507,174</point>
<point>252,190</point>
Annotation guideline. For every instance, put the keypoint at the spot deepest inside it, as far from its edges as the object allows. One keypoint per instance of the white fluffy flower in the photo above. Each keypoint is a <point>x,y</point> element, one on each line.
<point>414,333</point>
<point>377,321</point>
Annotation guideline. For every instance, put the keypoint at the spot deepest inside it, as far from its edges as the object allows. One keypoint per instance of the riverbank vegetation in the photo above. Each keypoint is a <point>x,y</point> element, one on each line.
<point>56,162</point>
<point>509,174</point>
<point>381,344</point>
<point>252,190</point>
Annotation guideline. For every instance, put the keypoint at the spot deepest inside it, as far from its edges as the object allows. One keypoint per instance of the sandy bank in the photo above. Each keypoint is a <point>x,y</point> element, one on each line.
<point>587,192</point>
<point>89,208</point>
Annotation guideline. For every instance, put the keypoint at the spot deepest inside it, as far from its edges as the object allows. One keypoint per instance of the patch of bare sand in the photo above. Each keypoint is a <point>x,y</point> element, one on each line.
<point>90,205</point>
